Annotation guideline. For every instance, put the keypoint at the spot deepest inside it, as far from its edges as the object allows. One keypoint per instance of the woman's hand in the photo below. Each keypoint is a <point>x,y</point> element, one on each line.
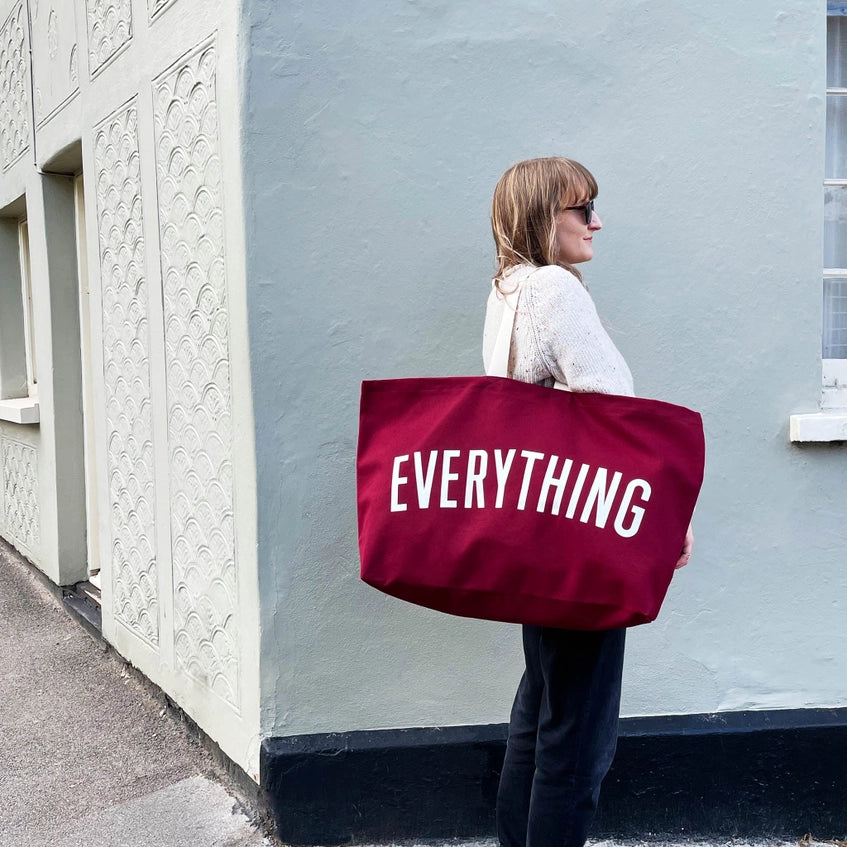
<point>685,555</point>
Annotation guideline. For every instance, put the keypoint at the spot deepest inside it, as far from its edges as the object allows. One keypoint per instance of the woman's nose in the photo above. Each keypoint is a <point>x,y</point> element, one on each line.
<point>596,223</point>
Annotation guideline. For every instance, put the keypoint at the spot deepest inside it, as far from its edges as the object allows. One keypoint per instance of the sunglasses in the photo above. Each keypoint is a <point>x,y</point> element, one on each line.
<point>587,209</point>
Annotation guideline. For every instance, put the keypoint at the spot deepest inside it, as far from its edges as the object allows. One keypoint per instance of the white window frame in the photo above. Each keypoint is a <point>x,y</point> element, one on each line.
<point>834,371</point>
<point>830,424</point>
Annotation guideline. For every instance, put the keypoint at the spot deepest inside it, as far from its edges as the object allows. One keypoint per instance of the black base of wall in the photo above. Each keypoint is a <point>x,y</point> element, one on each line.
<point>747,774</point>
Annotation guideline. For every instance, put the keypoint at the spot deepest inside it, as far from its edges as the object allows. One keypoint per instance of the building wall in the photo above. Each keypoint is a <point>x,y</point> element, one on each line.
<point>373,140</point>
<point>152,475</point>
<point>37,515</point>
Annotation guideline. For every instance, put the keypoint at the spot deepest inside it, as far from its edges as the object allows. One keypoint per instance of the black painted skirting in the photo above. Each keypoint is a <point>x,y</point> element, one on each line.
<point>749,774</point>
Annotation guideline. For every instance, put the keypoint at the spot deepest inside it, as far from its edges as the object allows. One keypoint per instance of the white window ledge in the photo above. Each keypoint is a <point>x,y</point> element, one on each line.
<point>23,410</point>
<point>819,426</point>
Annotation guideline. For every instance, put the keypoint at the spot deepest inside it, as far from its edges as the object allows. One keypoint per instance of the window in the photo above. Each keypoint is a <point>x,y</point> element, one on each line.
<point>26,295</point>
<point>830,424</point>
<point>18,377</point>
<point>834,341</point>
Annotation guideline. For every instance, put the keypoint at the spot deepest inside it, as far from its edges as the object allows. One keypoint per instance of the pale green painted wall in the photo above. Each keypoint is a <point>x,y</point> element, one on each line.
<point>374,134</point>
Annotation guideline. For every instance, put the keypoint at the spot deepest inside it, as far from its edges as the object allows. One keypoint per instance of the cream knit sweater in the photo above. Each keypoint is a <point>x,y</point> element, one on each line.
<point>557,334</point>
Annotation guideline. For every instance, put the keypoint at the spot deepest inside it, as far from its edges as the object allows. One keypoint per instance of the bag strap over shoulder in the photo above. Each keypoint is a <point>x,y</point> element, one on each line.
<point>499,363</point>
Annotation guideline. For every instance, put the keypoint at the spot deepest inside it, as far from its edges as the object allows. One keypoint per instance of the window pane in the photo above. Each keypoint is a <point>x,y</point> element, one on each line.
<point>835,319</point>
<point>836,136</point>
<point>835,227</point>
<point>836,51</point>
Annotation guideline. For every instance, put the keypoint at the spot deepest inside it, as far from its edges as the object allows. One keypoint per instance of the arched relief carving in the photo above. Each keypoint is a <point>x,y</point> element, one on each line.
<point>126,369</point>
<point>21,515</point>
<point>73,67</point>
<point>14,99</point>
<point>188,172</point>
<point>109,29</point>
<point>157,6</point>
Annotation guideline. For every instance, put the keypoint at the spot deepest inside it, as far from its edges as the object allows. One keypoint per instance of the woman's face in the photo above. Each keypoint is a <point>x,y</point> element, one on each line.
<point>574,236</point>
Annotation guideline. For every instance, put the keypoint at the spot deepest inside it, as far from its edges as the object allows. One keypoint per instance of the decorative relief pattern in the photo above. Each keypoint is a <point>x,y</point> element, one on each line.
<point>52,34</point>
<point>20,492</point>
<point>126,365</point>
<point>14,102</point>
<point>156,6</point>
<point>53,40</point>
<point>109,28</point>
<point>73,68</point>
<point>188,171</point>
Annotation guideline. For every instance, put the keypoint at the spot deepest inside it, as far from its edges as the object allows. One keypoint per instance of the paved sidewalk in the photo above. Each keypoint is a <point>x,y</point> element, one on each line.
<point>90,755</point>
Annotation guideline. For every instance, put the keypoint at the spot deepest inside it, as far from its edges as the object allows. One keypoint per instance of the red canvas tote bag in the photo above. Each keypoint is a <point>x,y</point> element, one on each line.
<point>492,498</point>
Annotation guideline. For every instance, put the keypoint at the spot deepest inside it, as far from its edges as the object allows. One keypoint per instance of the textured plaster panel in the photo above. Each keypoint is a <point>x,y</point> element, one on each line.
<point>55,62</point>
<point>14,88</point>
<point>126,368</point>
<point>134,76</point>
<point>188,170</point>
<point>109,29</point>
<point>26,440</point>
<point>21,512</point>
<point>381,142</point>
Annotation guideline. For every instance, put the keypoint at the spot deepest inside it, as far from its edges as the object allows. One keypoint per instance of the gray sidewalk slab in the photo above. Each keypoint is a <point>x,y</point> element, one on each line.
<point>90,754</point>
<point>194,811</point>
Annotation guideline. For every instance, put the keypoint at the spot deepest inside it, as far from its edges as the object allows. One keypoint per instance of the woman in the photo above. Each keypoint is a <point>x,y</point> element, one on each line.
<point>563,726</point>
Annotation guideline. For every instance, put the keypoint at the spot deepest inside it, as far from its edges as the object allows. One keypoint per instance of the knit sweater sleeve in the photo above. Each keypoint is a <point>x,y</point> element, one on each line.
<point>569,337</point>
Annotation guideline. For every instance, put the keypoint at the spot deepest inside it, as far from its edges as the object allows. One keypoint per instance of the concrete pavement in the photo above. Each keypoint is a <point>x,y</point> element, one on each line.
<point>90,753</point>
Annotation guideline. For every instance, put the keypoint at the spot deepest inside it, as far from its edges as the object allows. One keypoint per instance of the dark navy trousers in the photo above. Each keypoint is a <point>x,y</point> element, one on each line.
<point>562,736</point>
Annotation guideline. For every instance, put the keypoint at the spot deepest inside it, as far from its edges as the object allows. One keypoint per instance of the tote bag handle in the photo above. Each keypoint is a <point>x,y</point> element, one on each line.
<point>499,363</point>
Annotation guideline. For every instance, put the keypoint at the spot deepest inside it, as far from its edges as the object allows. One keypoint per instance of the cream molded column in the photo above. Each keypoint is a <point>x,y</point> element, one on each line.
<point>50,208</point>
